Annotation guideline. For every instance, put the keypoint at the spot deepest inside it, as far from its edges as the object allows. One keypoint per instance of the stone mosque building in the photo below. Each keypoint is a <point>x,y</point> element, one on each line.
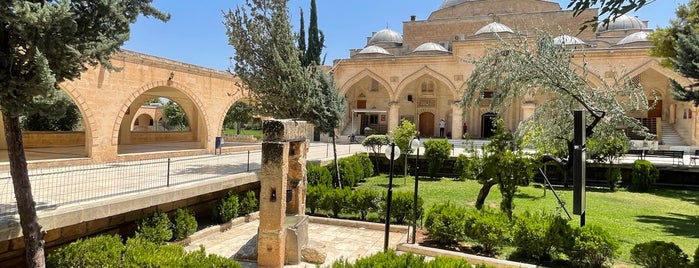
<point>419,75</point>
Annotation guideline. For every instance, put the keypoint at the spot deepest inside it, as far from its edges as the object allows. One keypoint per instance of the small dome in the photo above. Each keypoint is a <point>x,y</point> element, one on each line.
<point>623,22</point>
<point>374,50</point>
<point>494,27</point>
<point>567,40</point>
<point>430,47</point>
<point>385,36</point>
<point>634,37</point>
<point>451,3</point>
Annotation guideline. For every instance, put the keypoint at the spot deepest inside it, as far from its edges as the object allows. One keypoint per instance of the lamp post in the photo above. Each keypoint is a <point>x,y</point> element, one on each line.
<point>392,152</point>
<point>415,146</point>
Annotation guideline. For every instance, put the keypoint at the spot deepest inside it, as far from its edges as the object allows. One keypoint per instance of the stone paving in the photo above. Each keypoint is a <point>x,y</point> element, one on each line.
<point>344,242</point>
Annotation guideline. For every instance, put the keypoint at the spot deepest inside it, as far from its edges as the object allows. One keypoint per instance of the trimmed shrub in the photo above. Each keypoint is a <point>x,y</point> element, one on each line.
<point>402,207</point>
<point>318,175</point>
<point>468,167</point>
<point>541,235</point>
<point>593,247</point>
<point>490,228</point>
<point>643,175</point>
<point>437,151</point>
<point>249,203</point>
<point>659,254</point>
<point>391,259</point>
<point>99,251</point>
<point>156,228</point>
<point>613,175</point>
<point>366,164</point>
<point>445,223</point>
<point>335,200</point>
<point>314,197</point>
<point>350,171</point>
<point>363,201</point>
<point>184,225</point>
<point>227,208</point>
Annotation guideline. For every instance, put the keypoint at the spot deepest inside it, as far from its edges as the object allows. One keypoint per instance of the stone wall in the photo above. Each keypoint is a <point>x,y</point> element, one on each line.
<point>158,137</point>
<point>37,139</point>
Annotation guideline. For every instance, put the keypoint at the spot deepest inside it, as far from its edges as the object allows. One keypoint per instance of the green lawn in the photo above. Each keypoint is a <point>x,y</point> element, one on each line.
<point>255,133</point>
<point>667,215</point>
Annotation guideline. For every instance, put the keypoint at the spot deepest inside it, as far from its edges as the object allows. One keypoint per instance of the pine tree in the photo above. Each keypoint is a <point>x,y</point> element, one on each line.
<point>686,62</point>
<point>315,39</point>
<point>42,44</point>
<point>302,40</point>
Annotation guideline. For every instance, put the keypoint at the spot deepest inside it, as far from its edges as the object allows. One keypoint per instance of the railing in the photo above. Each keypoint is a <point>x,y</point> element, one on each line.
<point>52,187</point>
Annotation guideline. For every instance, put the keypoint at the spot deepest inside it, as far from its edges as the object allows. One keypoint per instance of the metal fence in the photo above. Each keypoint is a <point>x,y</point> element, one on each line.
<point>57,186</point>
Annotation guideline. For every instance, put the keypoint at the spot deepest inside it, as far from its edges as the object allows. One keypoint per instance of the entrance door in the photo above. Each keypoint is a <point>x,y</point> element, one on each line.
<point>426,125</point>
<point>488,122</point>
<point>657,110</point>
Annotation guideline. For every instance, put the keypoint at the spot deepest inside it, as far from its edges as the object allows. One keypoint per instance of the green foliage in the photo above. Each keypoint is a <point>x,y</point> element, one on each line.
<point>364,201</point>
<point>403,133</point>
<point>156,228</point>
<point>51,113</point>
<point>184,224</point>
<point>469,167</point>
<point>490,228</point>
<point>227,208</point>
<point>175,117</point>
<point>249,203</point>
<point>684,62</point>
<point>613,175</point>
<point>325,106</point>
<point>643,175</point>
<point>366,164</point>
<point>402,207</point>
<point>375,142</point>
<point>696,257</point>
<point>445,223</point>
<point>593,247</point>
<point>607,149</point>
<point>655,253</point>
<point>437,151</point>
<point>335,200</point>
<point>238,114</point>
<point>391,259</point>
<point>351,171</point>
<point>314,197</point>
<point>541,235</point>
<point>609,10</point>
<point>318,175</point>
<point>664,40</point>
<point>99,251</point>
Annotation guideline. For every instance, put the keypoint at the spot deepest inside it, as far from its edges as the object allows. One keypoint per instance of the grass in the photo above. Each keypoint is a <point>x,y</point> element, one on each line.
<point>255,133</point>
<point>666,215</point>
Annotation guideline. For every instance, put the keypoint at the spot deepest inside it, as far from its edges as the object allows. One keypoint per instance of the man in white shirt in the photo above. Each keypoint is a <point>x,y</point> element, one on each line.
<point>442,125</point>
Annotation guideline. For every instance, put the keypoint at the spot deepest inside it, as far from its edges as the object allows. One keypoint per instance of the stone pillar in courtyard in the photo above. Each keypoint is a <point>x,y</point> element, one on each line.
<point>283,226</point>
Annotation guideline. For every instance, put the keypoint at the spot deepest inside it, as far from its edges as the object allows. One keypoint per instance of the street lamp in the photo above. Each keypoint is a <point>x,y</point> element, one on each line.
<point>415,146</point>
<point>392,152</point>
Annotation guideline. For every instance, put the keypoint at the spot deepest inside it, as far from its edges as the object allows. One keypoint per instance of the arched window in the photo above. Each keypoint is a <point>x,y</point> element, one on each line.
<point>427,87</point>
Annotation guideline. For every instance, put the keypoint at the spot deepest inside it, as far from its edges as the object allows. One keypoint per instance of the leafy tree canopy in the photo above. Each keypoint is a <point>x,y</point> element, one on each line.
<point>55,112</point>
<point>175,117</point>
<point>240,112</point>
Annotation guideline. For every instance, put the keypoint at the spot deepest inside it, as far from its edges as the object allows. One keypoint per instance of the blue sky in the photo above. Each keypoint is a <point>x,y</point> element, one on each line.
<point>195,34</point>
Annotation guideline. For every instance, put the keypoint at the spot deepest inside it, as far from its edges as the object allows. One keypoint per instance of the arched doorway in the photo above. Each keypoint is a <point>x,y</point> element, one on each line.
<point>426,124</point>
<point>488,122</point>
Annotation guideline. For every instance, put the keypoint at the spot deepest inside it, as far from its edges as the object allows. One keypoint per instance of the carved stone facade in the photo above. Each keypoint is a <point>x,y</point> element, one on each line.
<point>421,74</point>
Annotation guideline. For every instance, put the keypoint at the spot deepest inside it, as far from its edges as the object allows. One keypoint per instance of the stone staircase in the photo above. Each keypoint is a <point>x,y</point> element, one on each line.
<point>670,136</point>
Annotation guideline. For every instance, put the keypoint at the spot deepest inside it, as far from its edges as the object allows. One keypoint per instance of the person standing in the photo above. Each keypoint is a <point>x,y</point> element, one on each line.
<point>442,125</point>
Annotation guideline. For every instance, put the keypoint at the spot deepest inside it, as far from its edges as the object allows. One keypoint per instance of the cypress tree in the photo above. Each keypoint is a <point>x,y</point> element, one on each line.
<point>315,38</point>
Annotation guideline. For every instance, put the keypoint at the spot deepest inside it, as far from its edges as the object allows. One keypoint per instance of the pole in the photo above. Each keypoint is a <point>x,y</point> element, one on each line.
<point>168,172</point>
<point>388,199</point>
<point>248,161</point>
<point>417,178</point>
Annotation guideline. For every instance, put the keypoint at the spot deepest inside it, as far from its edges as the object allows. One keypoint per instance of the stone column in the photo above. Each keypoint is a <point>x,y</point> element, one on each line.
<point>457,119</point>
<point>393,115</point>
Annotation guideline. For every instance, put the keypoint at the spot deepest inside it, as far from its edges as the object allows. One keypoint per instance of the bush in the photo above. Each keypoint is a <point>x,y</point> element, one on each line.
<point>335,200</point>
<point>437,151</point>
<point>445,223</point>
<point>613,175</point>
<point>402,204</point>
<point>541,235</point>
<point>593,247</point>
<point>696,257</point>
<point>351,171</point>
<point>184,225</point>
<point>489,228</point>
<point>156,228</point>
<point>391,259</point>
<point>318,175</point>
<point>468,167</point>
<point>99,251</point>
<point>314,197</point>
<point>249,203</point>
<point>659,254</point>
<point>643,175</point>
<point>227,208</point>
<point>366,164</point>
<point>363,201</point>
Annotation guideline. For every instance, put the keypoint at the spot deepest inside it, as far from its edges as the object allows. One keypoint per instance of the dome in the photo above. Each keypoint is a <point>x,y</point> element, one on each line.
<point>451,3</point>
<point>494,27</point>
<point>623,22</point>
<point>567,40</point>
<point>430,47</point>
<point>385,36</point>
<point>634,37</point>
<point>374,50</point>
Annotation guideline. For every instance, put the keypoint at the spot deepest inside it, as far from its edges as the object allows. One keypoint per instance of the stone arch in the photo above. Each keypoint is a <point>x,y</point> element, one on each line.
<point>160,83</point>
<point>235,98</point>
<point>654,64</point>
<point>432,73</point>
<point>88,116</point>
<point>367,73</point>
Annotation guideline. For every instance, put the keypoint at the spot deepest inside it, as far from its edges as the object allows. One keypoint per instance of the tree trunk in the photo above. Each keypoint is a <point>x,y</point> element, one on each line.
<point>238,126</point>
<point>31,230</point>
<point>338,183</point>
<point>483,193</point>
